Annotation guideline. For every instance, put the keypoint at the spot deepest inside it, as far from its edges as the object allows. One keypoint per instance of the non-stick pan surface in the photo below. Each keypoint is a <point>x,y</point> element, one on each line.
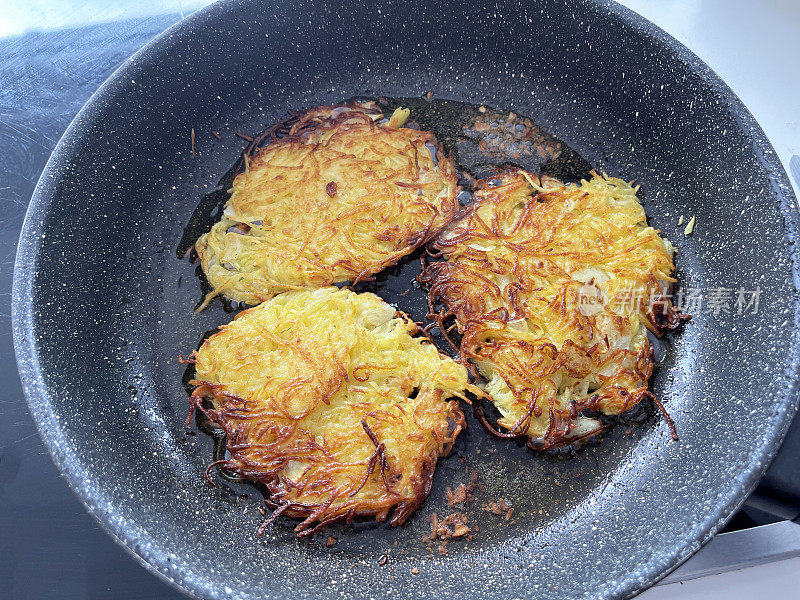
<point>103,306</point>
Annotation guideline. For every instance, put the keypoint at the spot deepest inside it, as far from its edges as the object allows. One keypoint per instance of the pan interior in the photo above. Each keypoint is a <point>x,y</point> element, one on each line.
<point>105,306</point>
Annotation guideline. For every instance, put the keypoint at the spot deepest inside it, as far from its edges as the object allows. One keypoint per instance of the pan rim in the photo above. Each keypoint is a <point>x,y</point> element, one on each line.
<point>91,495</point>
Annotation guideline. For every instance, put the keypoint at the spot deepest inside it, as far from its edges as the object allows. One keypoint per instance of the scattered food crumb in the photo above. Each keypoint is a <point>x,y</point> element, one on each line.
<point>383,560</point>
<point>262,510</point>
<point>680,220</point>
<point>434,528</point>
<point>331,541</point>
<point>415,571</point>
<point>501,135</point>
<point>690,227</point>
<point>474,483</point>
<point>429,95</point>
<point>499,508</point>
<point>458,521</point>
<point>452,526</point>
<point>244,136</point>
<point>216,135</point>
<point>457,496</point>
<point>192,136</point>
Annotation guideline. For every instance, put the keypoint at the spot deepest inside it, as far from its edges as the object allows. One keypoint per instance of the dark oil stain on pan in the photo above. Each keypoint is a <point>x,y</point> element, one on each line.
<point>483,139</point>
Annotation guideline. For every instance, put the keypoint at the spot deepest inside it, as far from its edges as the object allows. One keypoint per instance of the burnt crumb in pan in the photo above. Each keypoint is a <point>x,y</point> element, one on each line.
<point>484,138</point>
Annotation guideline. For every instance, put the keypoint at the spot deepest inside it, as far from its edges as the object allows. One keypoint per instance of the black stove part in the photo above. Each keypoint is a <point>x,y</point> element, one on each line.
<point>779,490</point>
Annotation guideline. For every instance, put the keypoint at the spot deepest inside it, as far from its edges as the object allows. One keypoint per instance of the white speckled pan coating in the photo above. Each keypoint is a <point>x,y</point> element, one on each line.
<point>102,306</point>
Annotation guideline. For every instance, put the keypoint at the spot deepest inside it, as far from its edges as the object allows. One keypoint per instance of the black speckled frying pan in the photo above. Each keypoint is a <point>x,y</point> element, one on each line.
<point>103,306</point>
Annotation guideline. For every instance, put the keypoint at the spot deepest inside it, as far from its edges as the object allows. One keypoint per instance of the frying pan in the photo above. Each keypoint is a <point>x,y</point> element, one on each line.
<point>103,306</point>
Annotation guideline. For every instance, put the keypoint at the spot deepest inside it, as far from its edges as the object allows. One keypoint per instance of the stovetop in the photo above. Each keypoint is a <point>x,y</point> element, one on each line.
<point>50,546</point>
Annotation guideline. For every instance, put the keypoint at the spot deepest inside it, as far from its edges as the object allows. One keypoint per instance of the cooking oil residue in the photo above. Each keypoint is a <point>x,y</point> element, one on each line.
<point>485,139</point>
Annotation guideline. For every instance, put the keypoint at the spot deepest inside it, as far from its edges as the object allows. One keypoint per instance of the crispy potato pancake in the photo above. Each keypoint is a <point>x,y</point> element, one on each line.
<point>552,287</point>
<point>329,401</point>
<point>343,196</point>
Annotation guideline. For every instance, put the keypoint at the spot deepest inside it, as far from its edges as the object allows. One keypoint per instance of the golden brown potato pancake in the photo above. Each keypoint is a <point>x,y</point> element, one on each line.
<point>329,401</point>
<point>552,287</point>
<point>344,195</point>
